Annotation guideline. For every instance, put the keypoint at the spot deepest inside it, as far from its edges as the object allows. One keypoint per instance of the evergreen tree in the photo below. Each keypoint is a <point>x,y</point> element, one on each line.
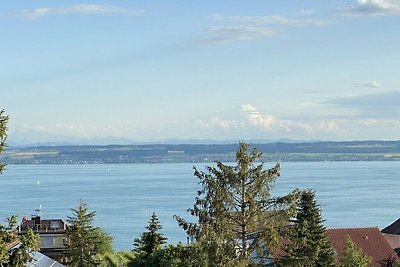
<point>308,243</point>
<point>238,218</point>
<point>86,242</point>
<point>151,240</point>
<point>353,255</point>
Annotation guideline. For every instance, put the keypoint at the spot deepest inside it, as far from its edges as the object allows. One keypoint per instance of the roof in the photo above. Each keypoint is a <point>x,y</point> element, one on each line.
<point>12,245</point>
<point>48,225</point>
<point>40,260</point>
<point>370,240</point>
<point>393,229</point>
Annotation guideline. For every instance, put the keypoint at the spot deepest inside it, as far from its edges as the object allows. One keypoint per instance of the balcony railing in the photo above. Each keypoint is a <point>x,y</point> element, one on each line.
<point>41,228</point>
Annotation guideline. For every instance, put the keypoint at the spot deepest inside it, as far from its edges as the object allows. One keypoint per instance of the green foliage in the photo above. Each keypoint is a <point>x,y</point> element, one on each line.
<point>4,256</point>
<point>237,215</point>
<point>353,255</point>
<point>86,242</point>
<point>3,135</point>
<point>7,236</point>
<point>22,255</point>
<point>171,256</point>
<point>115,259</point>
<point>103,240</point>
<point>151,240</point>
<point>308,242</point>
<point>25,244</point>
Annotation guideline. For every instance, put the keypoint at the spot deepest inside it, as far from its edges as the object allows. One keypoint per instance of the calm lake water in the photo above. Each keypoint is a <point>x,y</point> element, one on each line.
<point>351,194</point>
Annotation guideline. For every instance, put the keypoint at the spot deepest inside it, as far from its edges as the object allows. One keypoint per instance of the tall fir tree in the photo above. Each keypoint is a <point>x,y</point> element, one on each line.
<point>238,218</point>
<point>308,244</point>
<point>353,255</point>
<point>86,242</point>
<point>150,240</point>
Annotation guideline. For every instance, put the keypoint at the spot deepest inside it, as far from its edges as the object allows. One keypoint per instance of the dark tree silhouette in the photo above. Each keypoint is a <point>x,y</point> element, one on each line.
<point>308,243</point>
<point>150,240</point>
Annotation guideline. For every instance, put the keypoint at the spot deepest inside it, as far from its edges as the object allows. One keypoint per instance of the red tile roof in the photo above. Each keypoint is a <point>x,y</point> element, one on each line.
<point>370,240</point>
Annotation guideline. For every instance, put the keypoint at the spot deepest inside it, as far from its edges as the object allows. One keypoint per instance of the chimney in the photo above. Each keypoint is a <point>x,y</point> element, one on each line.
<point>36,219</point>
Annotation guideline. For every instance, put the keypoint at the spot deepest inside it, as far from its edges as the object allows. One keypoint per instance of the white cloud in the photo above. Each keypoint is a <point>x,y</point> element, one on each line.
<point>250,123</point>
<point>248,107</point>
<point>272,20</point>
<point>269,123</point>
<point>250,28</point>
<point>339,129</point>
<point>368,128</point>
<point>219,123</point>
<point>77,9</point>
<point>372,8</point>
<point>307,11</point>
<point>329,126</point>
<point>69,127</point>
<point>227,34</point>
<point>370,84</point>
<point>306,127</point>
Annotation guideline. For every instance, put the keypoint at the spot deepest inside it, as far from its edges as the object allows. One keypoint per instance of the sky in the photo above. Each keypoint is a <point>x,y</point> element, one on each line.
<point>152,71</point>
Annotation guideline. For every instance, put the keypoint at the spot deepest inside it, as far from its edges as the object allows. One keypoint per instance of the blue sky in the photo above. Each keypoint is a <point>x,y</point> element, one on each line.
<point>240,70</point>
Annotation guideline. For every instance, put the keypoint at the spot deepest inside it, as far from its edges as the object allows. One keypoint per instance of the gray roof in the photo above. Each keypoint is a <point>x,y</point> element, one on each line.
<point>40,260</point>
<point>393,229</point>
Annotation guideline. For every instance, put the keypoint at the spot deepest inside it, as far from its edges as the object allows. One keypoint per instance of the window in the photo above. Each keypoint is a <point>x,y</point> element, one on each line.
<point>54,224</point>
<point>47,241</point>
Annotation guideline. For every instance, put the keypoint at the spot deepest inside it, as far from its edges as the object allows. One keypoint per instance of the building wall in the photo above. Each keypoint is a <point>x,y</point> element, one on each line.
<point>393,240</point>
<point>52,241</point>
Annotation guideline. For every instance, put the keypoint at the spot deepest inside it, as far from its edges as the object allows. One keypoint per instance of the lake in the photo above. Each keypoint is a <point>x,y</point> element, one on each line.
<point>351,194</point>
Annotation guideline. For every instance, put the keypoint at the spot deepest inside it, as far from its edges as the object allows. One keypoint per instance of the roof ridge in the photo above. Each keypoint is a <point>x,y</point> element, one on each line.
<point>354,228</point>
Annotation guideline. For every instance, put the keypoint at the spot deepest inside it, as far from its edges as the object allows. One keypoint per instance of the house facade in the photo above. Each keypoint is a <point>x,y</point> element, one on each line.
<point>52,234</point>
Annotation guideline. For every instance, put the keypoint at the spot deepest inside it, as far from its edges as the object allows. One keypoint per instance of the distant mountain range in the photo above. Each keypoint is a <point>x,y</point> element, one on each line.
<point>173,153</point>
<point>30,138</point>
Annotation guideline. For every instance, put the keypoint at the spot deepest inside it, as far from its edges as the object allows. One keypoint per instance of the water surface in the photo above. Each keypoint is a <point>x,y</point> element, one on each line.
<point>351,194</point>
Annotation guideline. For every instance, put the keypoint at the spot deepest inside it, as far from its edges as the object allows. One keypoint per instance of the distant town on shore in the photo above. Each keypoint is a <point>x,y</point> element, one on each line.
<point>192,153</point>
